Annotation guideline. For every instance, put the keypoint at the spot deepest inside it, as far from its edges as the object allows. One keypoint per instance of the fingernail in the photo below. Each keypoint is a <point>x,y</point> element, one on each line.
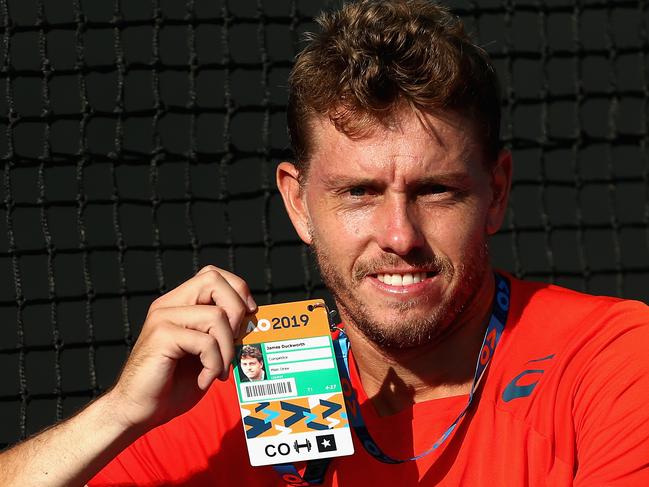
<point>252,306</point>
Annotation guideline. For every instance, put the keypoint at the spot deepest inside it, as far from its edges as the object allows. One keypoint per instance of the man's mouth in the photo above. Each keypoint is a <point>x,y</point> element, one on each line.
<point>402,279</point>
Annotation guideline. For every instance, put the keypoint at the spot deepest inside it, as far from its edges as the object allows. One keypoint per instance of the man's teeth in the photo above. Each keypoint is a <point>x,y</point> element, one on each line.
<point>401,279</point>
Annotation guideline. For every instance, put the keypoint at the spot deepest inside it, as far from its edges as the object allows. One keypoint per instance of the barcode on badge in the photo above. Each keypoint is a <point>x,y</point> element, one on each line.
<point>268,389</point>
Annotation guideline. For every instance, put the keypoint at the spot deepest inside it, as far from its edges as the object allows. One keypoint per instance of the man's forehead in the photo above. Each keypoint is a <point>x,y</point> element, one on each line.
<point>412,139</point>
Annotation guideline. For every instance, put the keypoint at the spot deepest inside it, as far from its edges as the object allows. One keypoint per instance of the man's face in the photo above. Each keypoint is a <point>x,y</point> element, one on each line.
<point>398,222</point>
<point>251,368</point>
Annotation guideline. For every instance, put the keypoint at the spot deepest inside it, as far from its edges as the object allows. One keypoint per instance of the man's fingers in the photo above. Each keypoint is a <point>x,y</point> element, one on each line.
<point>239,285</point>
<point>210,320</point>
<point>211,306</point>
<point>186,341</point>
<point>219,291</point>
<point>212,285</point>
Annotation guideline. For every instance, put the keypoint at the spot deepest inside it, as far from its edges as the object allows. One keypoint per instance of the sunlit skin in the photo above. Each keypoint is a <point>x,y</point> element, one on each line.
<point>416,198</point>
<point>252,368</point>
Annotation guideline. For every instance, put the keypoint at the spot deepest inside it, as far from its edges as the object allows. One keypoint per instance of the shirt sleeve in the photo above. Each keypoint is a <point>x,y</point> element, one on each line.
<point>185,451</point>
<point>138,464</point>
<point>610,408</point>
<point>157,458</point>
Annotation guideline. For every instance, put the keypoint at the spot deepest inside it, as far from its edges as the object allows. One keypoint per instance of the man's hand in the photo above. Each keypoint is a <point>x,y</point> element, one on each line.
<point>185,344</point>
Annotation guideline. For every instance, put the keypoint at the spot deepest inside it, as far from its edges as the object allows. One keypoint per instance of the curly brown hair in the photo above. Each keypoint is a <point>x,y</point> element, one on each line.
<point>373,57</point>
<point>252,352</point>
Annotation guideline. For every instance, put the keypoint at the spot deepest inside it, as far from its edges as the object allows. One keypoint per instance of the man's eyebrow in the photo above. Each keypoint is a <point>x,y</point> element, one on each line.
<point>338,181</point>
<point>451,178</point>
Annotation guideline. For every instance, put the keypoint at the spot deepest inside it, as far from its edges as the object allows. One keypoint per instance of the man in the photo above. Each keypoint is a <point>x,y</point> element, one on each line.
<point>398,182</point>
<point>251,363</point>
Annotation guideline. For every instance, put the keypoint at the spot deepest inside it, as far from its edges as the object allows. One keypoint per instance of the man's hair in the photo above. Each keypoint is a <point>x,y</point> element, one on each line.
<point>252,352</point>
<point>373,57</point>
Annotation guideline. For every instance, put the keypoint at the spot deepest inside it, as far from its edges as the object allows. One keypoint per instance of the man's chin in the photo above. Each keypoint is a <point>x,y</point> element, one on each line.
<point>388,338</point>
<point>401,329</point>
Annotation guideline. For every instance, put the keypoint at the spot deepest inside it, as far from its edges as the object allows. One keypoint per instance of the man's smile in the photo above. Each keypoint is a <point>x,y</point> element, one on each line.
<point>401,278</point>
<point>409,285</point>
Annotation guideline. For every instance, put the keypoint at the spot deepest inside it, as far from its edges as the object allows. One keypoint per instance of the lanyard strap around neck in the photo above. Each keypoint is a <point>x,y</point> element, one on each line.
<point>315,474</point>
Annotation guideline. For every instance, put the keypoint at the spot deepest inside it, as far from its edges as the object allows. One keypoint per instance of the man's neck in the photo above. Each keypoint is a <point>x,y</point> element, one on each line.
<point>394,379</point>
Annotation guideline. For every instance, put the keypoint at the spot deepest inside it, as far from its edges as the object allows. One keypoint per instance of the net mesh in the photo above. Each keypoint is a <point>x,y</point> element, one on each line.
<point>139,142</point>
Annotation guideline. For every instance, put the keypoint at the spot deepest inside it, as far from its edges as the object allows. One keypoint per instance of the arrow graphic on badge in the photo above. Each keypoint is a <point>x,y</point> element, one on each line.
<point>283,431</point>
<point>332,407</point>
<point>299,412</point>
<point>313,424</point>
<point>270,415</point>
<point>257,426</point>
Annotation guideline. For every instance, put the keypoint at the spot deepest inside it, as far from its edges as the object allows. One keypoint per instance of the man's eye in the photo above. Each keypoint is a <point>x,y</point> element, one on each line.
<point>358,191</point>
<point>434,189</point>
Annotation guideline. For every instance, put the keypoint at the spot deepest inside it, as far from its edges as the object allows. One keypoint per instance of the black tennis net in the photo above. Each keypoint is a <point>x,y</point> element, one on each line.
<point>139,142</point>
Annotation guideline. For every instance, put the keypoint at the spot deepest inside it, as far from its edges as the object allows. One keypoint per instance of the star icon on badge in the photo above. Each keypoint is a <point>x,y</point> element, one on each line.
<point>326,443</point>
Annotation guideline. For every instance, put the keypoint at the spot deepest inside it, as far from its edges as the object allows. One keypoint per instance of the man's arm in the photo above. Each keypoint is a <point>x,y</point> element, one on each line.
<point>71,452</point>
<point>186,343</point>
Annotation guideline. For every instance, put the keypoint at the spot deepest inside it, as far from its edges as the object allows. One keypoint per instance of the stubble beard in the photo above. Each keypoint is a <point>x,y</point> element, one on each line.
<point>409,331</point>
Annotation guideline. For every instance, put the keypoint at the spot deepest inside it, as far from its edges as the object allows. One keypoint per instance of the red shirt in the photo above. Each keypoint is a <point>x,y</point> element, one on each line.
<point>563,403</point>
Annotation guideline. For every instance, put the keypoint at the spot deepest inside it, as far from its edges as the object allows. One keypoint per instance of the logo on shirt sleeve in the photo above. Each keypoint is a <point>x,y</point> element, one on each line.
<point>516,390</point>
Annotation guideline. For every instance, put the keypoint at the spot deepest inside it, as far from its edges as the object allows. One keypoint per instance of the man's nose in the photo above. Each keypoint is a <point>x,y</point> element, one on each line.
<point>399,229</point>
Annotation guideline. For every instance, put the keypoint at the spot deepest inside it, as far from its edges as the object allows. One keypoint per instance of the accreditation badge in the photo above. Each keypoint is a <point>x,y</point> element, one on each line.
<point>291,400</point>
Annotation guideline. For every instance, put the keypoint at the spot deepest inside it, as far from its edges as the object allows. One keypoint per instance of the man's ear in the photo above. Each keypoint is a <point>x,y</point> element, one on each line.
<point>501,180</point>
<point>288,184</point>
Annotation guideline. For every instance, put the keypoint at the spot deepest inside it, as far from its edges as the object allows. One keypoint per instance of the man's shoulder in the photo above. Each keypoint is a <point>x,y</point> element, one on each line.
<point>574,372</point>
<point>546,320</point>
<point>557,339</point>
<point>552,303</point>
